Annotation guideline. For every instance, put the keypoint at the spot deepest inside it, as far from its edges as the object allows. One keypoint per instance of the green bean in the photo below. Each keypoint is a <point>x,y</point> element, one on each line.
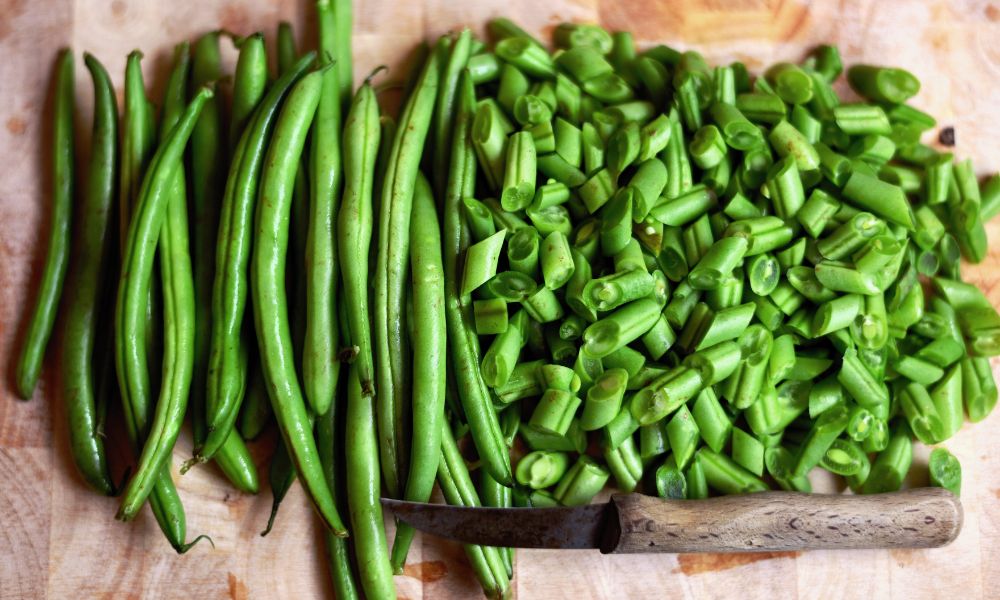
<point>990,196</point>
<point>320,366</point>
<point>473,393</point>
<point>822,434</point>
<point>621,327</point>
<point>429,334</point>
<point>542,468</point>
<point>162,204</point>
<point>392,374</point>
<point>597,190</point>
<point>207,157</point>
<point>726,476</point>
<point>43,316</point>
<point>665,395</point>
<point>616,222</point>
<point>527,55</point>
<point>748,452</point>
<point>555,411</point>
<point>761,108</point>
<point>623,148</point>
<point>92,245</point>
<point>249,84</point>
<point>519,176</point>
<point>581,483</point>
<point>979,391</point>
<point>355,223</point>
<point>490,316</point>
<point>556,260</point>
<point>883,84</point>
<point>228,354</point>
<point>363,494</point>
<point>458,58</point>
<point>330,432</point>
<point>457,486</point>
<point>946,471</point>
<point>683,434</point>
<point>686,207</point>
<point>281,476</point>
<point>604,399</point>
<point>719,261</point>
<point>255,413</point>
<point>625,464</point>
<point>891,465</point>
<point>269,303</point>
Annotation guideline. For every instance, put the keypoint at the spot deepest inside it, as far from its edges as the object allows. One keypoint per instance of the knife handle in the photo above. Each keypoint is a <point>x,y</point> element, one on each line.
<point>774,521</point>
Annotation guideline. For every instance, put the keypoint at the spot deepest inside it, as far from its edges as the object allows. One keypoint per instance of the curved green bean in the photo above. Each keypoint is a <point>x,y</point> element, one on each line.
<point>320,366</point>
<point>429,362</point>
<point>162,212</point>
<point>354,224</point>
<point>270,305</point>
<point>92,249</point>
<point>43,317</point>
<point>391,367</point>
<point>228,355</point>
<point>364,491</point>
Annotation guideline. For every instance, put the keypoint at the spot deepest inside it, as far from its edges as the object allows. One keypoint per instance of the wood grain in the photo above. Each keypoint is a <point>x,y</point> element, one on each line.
<point>60,541</point>
<point>779,522</point>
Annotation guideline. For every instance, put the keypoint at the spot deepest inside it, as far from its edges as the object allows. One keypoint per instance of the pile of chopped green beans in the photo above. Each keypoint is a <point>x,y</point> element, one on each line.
<point>550,273</point>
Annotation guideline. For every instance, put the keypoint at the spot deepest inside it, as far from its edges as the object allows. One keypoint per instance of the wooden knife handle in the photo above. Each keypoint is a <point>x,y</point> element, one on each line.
<point>773,521</point>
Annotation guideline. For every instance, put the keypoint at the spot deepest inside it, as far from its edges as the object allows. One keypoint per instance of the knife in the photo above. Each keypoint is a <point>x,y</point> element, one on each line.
<point>766,521</point>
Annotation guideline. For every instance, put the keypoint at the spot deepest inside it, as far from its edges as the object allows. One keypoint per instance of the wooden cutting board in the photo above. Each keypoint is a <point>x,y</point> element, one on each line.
<point>60,541</point>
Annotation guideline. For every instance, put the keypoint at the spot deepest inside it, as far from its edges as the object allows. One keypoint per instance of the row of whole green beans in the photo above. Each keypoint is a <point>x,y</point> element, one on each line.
<point>596,262</point>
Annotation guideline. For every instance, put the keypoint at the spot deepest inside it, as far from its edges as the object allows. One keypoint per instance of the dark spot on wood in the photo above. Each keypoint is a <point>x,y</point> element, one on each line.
<point>237,589</point>
<point>427,571</point>
<point>651,544</point>
<point>694,564</point>
<point>16,126</point>
<point>833,528</point>
<point>929,519</point>
<point>909,529</point>
<point>947,136</point>
<point>672,534</point>
<point>793,523</point>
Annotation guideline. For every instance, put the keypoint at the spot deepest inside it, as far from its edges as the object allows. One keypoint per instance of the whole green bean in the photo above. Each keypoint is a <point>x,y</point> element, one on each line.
<point>207,159</point>
<point>269,303</point>
<point>429,362</point>
<point>354,224</point>
<point>92,249</point>
<point>43,316</point>
<point>228,356</point>
<point>392,370</point>
<point>249,84</point>
<point>321,343</point>
<point>162,212</point>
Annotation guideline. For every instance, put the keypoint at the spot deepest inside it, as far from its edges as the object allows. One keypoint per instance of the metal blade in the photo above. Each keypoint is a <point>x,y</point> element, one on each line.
<point>569,527</point>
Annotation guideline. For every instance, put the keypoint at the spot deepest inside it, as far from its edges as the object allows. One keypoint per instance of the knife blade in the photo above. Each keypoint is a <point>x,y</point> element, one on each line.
<point>766,521</point>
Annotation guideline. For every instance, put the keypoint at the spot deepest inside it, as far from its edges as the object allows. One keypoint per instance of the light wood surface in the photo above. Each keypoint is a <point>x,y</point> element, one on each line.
<point>60,541</point>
